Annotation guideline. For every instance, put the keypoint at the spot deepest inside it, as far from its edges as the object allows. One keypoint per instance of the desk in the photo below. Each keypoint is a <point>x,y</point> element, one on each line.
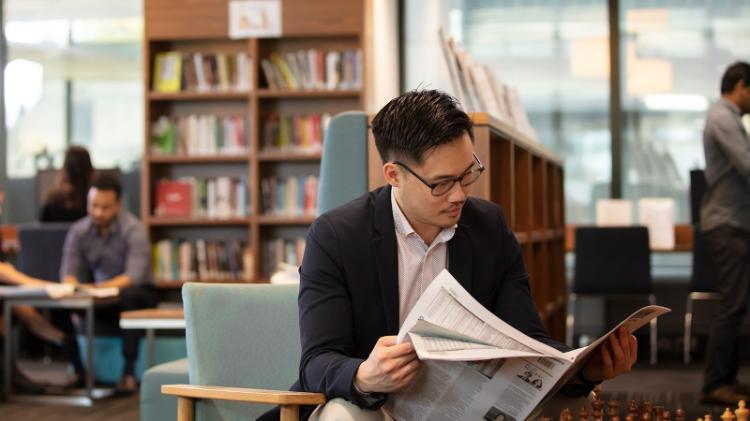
<point>16,296</point>
<point>151,319</point>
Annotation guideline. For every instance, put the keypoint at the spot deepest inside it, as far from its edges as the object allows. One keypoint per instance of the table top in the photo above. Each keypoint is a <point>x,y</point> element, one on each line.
<point>154,313</point>
<point>38,297</point>
<point>153,318</point>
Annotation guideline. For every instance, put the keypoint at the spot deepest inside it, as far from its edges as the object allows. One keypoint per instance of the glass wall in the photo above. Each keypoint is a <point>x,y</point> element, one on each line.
<point>673,56</point>
<point>73,76</point>
<point>554,52</point>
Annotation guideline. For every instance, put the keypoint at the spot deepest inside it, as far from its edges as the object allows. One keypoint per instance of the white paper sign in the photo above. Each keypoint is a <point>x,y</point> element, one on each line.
<point>657,213</point>
<point>614,213</point>
<point>254,19</point>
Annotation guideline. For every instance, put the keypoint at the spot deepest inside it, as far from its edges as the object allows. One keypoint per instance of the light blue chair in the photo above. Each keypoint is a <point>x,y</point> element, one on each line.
<point>343,168</point>
<point>239,337</point>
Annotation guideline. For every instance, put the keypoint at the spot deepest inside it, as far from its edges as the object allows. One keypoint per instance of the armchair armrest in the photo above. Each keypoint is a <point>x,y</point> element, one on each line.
<point>287,400</point>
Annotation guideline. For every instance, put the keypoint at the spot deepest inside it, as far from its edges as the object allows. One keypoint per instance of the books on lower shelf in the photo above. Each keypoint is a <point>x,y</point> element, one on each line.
<point>176,71</point>
<point>313,69</point>
<point>202,197</point>
<point>280,250</point>
<point>201,260</point>
<point>295,133</point>
<point>290,196</point>
<point>199,135</point>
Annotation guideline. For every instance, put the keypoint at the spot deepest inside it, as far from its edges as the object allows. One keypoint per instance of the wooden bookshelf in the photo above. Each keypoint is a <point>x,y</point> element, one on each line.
<point>526,180</point>
<point>201,26</point>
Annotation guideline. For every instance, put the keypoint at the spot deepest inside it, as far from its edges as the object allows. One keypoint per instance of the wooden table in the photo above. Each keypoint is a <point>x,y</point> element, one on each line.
<point>151,319</point>
<point>37,297</point>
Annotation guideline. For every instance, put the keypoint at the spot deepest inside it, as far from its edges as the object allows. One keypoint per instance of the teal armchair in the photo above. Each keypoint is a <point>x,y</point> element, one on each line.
<point>238,337</point>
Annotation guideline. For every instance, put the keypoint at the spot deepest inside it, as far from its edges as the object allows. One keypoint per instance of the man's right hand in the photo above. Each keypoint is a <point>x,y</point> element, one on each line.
<point>70,280</point>
<point>389,367</point>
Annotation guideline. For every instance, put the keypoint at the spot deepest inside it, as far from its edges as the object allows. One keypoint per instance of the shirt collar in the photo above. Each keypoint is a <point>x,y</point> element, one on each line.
<point>404,228</point>
<point>113,229</point>
<point>732,106</point>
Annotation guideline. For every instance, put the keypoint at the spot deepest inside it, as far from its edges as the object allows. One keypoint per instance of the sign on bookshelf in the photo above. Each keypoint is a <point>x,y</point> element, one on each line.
<point>254,18</point>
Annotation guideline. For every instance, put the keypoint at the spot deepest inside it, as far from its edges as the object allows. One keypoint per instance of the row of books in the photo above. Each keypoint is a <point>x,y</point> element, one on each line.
<point>280,250</point>
<point>299,133</point>
<point>289,196</point>
<point>202,197</point>
<point>196,135</point>
<point>201,260</point>
<point>314,70</point>
<point>176,71</point>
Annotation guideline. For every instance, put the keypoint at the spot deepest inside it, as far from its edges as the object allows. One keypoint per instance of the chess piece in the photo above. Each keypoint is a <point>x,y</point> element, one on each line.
<point>545,419</point>
<point>727,415</point>
<point>707,417</point>
<point>613,408</point>
<point>566,415</point>
<point>583,414</point>
<point>667,415</point>
<point>630,418</point>
<point>679,415</point>
<point>659,411</point>
<point>598,406</point>
<point>633,409</point>
<point>741,411</point>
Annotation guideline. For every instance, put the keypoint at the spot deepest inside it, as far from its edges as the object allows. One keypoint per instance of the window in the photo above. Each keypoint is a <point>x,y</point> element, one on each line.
<point>554,53</point>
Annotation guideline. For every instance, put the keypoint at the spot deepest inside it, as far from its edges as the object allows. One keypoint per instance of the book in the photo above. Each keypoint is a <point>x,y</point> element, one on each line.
<point>167,72</point>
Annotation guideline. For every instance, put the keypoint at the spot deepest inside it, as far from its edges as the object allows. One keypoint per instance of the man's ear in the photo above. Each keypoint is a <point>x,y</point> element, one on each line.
<point>391,174</point>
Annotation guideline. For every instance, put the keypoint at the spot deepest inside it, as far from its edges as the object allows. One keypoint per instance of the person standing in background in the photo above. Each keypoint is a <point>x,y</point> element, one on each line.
<point>725,224</point>
<point>67,201</point>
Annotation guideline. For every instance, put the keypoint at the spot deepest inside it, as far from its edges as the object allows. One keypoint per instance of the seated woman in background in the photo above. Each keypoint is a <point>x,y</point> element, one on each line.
<point>67,201</point>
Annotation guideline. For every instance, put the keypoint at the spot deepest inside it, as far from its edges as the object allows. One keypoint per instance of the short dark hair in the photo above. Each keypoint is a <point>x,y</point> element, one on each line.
<point>417,121</point>
<point>738,71</point>
<point>107,181</point>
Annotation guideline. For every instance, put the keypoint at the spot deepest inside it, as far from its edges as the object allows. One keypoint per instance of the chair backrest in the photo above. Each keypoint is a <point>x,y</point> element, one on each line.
<point>241,336</point>
<point>698,187</point>
<point>703,278</point>
<point>612,260</point>
<point>343,168</point>
<point>41,247</point>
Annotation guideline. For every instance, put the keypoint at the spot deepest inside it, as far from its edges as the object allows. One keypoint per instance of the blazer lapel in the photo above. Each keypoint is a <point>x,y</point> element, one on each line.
<point>459,256</point>
<point>386,257</point>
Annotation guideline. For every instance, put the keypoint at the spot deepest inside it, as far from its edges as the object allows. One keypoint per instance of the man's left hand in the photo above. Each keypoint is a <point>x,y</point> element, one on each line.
<point>616,356</point>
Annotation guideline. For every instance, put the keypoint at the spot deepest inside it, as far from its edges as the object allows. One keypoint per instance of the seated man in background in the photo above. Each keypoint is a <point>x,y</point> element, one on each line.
<point>111,245</point>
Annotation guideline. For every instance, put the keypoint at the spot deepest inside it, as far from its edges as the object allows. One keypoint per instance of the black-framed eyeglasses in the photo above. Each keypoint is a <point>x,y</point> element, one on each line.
<point>444,186</point>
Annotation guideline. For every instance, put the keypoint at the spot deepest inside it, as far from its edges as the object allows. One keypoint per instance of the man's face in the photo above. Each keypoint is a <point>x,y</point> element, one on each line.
<point>103,206</point>
<point>446,161</point>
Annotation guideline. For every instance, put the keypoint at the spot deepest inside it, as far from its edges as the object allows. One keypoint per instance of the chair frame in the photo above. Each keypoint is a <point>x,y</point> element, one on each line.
<point>288,401</point>
<point>693,296</point>
<point>571,316</point>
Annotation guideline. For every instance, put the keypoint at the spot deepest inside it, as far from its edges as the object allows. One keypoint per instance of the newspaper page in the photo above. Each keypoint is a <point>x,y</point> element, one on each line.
<point>474,365</point>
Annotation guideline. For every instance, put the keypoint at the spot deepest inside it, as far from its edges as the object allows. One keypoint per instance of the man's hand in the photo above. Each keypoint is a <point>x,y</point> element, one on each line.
<point>616,356</point>
<point>389,367</point>
<point>71,280</point>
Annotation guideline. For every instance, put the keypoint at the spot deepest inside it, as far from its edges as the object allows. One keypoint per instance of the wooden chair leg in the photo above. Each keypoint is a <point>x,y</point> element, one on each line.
<point>185,409</point>
<point>289,412</point>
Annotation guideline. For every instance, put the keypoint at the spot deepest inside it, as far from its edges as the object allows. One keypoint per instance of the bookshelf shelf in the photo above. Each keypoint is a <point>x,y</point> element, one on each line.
<point>199,96</point>
<point>271,156</point>
<point>340,93</point>
<point>198,159</point>
<point>285,220</point>
<point>196,34</point>
<point>168,221</point>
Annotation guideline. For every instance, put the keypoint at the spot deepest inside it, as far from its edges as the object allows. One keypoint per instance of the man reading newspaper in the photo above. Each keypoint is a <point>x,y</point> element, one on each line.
<point>368,262</point>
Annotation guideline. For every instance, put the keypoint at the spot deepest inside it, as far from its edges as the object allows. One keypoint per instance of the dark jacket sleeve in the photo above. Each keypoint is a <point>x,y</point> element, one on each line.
<point>326,320</point>
<point>515,306</point>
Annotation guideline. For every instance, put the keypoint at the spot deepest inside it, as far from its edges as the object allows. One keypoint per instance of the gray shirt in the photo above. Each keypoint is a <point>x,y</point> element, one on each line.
<point>727,147</point>
<point>123,250</point>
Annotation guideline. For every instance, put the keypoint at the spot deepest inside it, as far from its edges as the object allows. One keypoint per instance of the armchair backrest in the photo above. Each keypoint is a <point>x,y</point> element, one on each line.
<point>343,168</point>
<point>41,247</point>
<point>612,260</point>
<point>241,336</point>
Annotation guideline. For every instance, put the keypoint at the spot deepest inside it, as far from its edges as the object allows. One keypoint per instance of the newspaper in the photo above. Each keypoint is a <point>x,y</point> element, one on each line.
<point>475,366</point>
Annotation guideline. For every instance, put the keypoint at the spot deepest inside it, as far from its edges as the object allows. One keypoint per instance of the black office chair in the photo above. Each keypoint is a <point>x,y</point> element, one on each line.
<point>703,276</point>
<point>612,262</point>
<point>41,248</point>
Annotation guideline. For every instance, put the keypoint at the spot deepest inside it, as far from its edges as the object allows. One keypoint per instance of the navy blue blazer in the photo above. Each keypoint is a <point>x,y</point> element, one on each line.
<point>349,286</point>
